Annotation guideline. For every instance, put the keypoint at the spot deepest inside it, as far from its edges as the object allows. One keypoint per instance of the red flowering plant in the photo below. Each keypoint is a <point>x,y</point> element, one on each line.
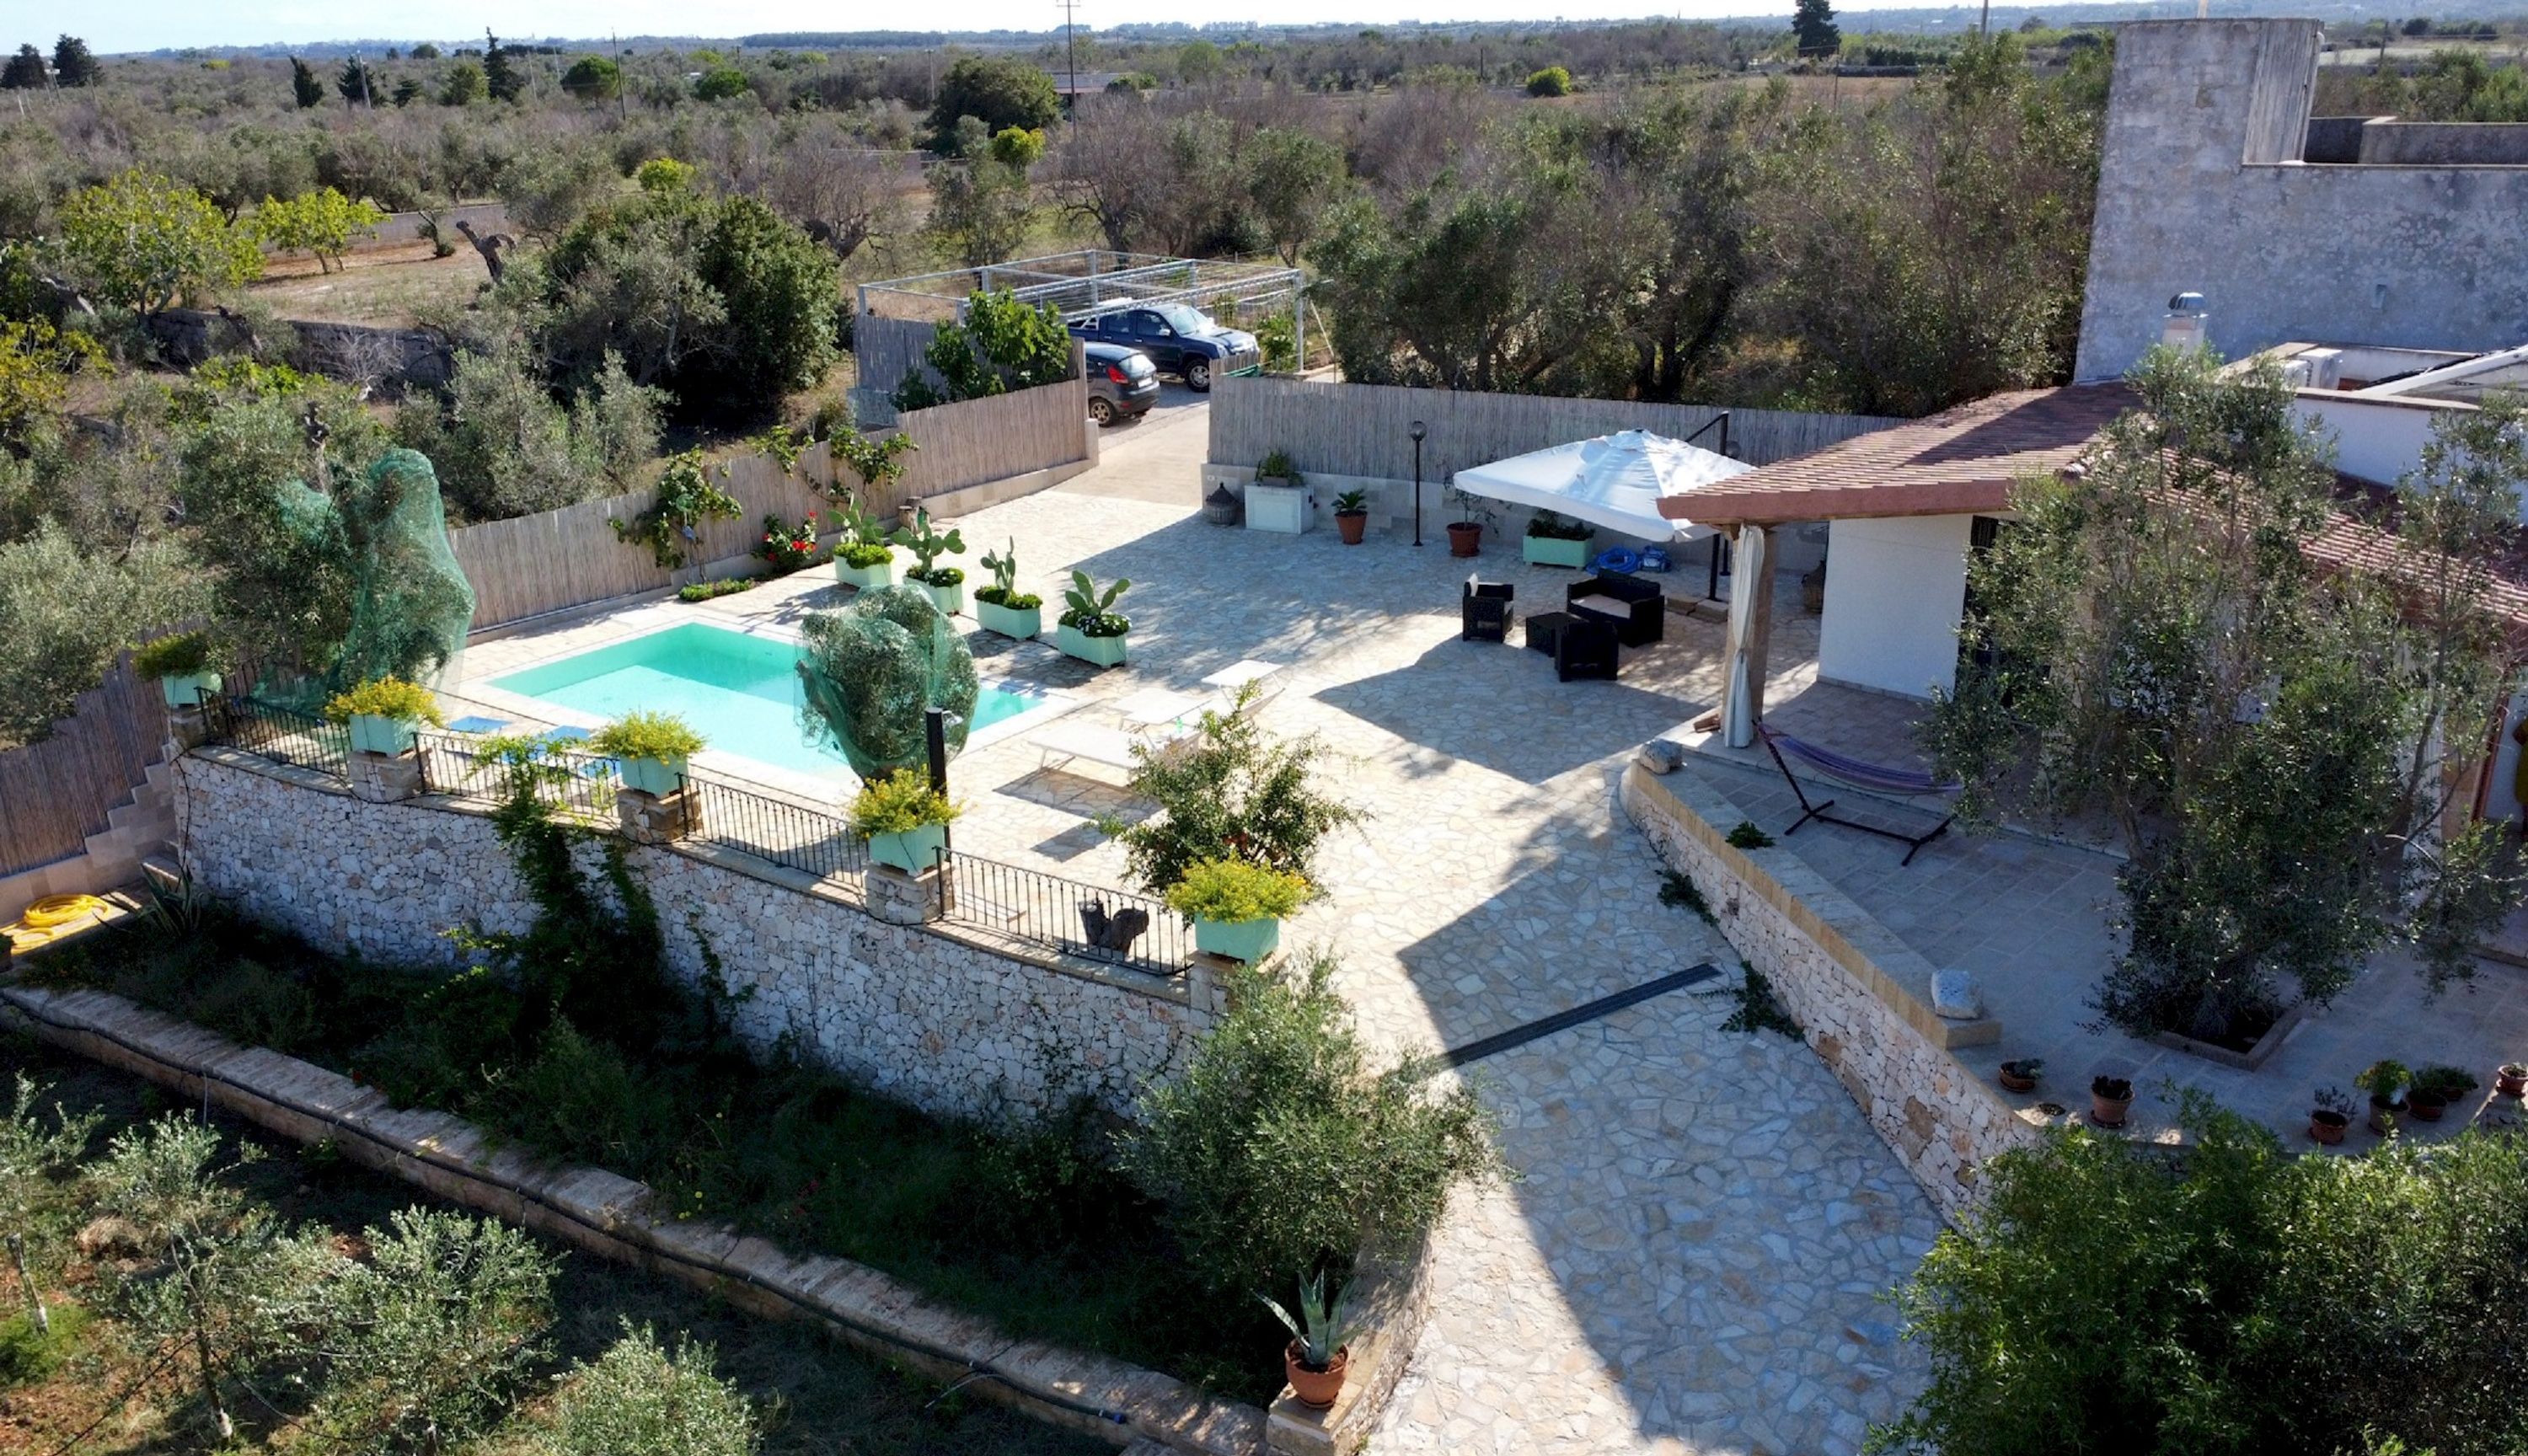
<point>789,548</point>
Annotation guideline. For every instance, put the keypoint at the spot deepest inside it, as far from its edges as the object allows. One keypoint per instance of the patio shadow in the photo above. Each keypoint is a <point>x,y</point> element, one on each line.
<point>1580,724</point>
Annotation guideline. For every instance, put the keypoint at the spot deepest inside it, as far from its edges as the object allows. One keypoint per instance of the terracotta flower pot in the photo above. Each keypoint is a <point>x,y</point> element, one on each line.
<point>2109,1112</point>
<point>1353,524</point>
<point>1465,538</point>
<point>2511,1081</point>
<point>2328,1127</point>
<point>2426,1107</point>
<point>1316,1388</point>
<point>2016,1081</point>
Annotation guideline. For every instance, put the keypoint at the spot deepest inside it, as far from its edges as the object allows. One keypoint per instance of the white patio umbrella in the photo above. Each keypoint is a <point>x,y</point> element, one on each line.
<point>1614,480</point>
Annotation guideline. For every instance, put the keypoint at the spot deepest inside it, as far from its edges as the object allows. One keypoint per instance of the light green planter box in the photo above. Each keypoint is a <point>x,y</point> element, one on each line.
<point>950,599</point>
<point>187,690</point>
<point>1249,941</point>
<point>658,777</point>
<point>1548,550</point>
<point>1104,652</point>
<point>371,734</point>
<point>1022,623</point>
<point>865,577</point>
<point>912,851</point>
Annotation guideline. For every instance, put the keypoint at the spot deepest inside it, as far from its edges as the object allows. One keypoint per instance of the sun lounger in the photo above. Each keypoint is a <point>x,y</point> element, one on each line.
<point>1064,742</point>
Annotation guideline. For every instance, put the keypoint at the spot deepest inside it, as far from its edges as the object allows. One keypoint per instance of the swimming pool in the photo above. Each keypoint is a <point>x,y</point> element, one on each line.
<point>736,689</point>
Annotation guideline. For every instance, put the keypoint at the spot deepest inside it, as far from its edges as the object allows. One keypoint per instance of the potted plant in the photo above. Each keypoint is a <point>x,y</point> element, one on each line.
<point>384,712</point>
<point>1237,907</point>
<point>1317,1358</point>
<point>2513,1079</point>
<point>652,748</point>
<point>2332,1115</point>
<point>862,558</point>
<point>1277,472</point>
<point>181,664</point>
<point>904,819</point>
<point>2020,1075</point>
<point>2110,1101</point>
<point>1277,499</point>
<point>2435,1088</point>
<point>1002,606</point>
<point>1466,532</point>
<point>788,547</point>
<point>1351,516</point>
<point>1090,629</point>
<point>2386,1080</point>
<point>1555,539</point>
<point>944,585</point>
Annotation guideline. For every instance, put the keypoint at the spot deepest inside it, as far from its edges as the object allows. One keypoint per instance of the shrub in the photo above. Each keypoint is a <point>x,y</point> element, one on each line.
<point>181,656</point>
<point>1552,526</point>
<point>788,547</point>
<point>146,242</point>
<point>713,590</point>
<point>719,84</point>
<point>642,1399</point>
<point>663,174</point>
<point>686,499</point>
<point>899,803</point>
<point>1277,466</point>
<point>1551,81</point>
<point>1744,835</point>
<point>386,698</point>
<point>664,736</point>
<point>1278,1152</point>
<point>320,223</point>
<point>1230,794</point>
<point>1233,890</point>
<point>863,554</point>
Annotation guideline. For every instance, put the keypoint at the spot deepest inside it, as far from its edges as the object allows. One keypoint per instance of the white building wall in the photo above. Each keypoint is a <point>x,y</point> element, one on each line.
<point>2377,439</point>
<point>1895,590</point>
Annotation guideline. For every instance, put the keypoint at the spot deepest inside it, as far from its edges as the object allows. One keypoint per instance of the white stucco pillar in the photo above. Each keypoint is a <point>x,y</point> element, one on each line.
<point>1751,620</point>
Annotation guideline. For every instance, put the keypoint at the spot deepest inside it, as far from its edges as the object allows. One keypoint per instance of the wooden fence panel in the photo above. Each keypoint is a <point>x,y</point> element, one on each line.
<point>1339,429</point>
<point>963,445</point>
<point>55,794</point>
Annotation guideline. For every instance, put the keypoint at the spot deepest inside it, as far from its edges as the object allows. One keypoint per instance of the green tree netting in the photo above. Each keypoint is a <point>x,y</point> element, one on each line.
<point>870,672</point>
<point>410,604</point>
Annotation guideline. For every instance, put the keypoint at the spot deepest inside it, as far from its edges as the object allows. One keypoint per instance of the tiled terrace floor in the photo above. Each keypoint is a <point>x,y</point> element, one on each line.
<point>1693,1259</point>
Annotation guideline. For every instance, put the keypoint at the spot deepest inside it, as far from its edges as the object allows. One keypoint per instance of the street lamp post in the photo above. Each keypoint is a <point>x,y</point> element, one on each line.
<point>1417,432</point>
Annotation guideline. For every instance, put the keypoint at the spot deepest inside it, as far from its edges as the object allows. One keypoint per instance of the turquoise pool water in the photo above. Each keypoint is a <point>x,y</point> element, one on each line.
<point>738,689</point>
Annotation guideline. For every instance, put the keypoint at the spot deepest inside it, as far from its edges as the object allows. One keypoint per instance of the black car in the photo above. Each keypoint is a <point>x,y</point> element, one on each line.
<point>1123,383</point>
<point>1179,340</point>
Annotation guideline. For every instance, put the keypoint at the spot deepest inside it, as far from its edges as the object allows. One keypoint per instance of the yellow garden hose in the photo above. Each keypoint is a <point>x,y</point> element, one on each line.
<point>51,916</point>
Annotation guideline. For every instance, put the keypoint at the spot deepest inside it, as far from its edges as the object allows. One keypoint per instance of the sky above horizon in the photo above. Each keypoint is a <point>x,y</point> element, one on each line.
<point>123,26</point>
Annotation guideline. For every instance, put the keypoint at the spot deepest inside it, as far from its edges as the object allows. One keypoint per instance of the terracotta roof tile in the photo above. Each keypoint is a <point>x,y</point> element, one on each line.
<point>1960,461</point>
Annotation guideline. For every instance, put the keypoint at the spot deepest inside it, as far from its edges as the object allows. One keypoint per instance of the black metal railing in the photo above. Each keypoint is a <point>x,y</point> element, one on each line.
<point>1090,921</point>
<point>582,786</point>
<point>805,839</point>
<point>274,731</point>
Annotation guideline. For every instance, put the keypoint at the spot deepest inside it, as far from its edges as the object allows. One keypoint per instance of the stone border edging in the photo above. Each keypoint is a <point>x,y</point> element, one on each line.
<point>599,1212</point>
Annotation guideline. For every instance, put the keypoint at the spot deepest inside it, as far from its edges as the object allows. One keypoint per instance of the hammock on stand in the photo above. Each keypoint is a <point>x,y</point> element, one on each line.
<point>1875,778</point>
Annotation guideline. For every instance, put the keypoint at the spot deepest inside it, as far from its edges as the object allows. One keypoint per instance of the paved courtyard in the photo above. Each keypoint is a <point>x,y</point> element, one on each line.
<point>1693,1258</point>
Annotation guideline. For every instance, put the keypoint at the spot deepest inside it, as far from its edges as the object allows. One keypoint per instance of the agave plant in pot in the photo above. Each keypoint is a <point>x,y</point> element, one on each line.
<point>1237,907</point>
<point>1351,516</point>
<point>2330,1115</point>
<point>904,819</point>
<point>385,714</point>
<point>862,557</point>
<point>181,664</point>
<point>652,748</point>
<point>1091,629</point>
<point>1318,1356</point>
<point>944,585</point>
<point>1001,607</point>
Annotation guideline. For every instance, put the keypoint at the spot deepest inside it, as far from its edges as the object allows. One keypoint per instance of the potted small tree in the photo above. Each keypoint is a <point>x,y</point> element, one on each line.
<point>1555,539</point>
<point>652,748</point>
<point>1317,1358</point>
<point>904,819</point>
<point>1466,532</point>
<point>2511,1081</point>
<point>181,664</point>
<point>1237,907</point>
<point>2386,1080</point>
<point>2331,1115</point>
<point>1002,606</point>
<point>2110,1101</point>
<point>384,713</point>
<point>944,585</point>
<point>1090,629</point>
<point>862,558</point>
<point>2020,1075</point>
<point>1351,516</point>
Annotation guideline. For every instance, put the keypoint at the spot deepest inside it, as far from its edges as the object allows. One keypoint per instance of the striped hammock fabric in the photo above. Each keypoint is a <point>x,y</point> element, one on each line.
<point>1853,771</point>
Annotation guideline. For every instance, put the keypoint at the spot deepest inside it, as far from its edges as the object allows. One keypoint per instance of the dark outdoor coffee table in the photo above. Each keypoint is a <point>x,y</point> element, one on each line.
<point>1544,628</point>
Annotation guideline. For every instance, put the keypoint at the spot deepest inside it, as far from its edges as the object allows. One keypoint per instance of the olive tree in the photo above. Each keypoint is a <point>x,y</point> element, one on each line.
<point>641,1398</point>
<point>30,1153</point>
<point>2276,725</point>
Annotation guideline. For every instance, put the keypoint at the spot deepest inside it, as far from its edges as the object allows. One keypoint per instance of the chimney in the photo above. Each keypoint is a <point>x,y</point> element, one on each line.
<point>2183,330</point>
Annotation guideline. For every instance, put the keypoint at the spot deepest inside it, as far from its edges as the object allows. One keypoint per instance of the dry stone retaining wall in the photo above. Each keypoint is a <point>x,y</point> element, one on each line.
<point>1800,931</point>
<point>927,1017</point>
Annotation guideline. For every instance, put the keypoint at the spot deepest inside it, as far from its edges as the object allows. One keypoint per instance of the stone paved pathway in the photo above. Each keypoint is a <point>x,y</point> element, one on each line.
<point>1693,1260</point>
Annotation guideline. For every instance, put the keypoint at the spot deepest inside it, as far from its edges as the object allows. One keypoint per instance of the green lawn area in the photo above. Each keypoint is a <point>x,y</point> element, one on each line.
<point>815,1396</point>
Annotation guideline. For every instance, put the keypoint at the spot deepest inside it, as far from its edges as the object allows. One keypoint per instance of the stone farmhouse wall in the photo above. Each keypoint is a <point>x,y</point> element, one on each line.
<point>1809,940</point>
<point>919,1013</point>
